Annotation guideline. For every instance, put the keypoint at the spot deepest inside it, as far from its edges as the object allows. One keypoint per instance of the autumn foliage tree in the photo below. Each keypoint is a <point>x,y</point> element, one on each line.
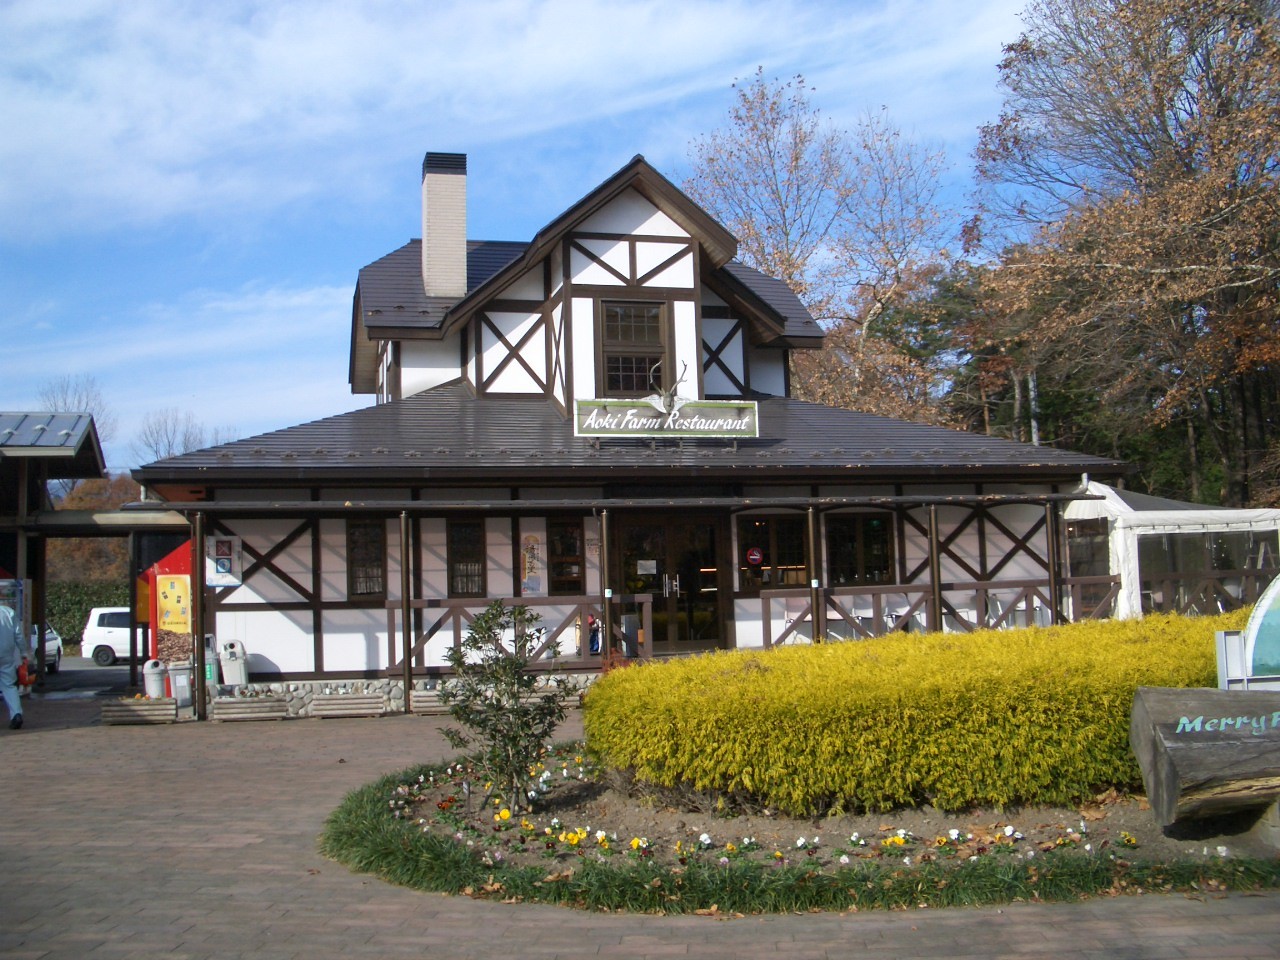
<point>850,220</point>
<point>1139,147</point>
<point>96,558</point>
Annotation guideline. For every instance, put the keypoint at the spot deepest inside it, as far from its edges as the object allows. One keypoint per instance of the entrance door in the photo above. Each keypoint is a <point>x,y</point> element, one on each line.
<point>675,559</point>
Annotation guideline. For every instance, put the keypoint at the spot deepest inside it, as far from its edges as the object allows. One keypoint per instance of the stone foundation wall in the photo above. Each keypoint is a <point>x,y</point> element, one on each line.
<point>299,694</point>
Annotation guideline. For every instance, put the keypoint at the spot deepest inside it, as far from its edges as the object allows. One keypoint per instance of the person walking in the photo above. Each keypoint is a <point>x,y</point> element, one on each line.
<point>12,654</point>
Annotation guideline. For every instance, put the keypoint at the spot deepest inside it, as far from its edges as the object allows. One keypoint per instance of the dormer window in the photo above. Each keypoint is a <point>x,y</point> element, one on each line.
<point>633,348</point>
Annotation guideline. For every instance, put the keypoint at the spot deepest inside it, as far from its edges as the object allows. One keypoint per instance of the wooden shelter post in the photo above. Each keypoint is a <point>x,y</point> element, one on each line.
<point>406,613</point>
<point>606,594</point>
<point>197,611</point>
<point>935,571</point>
<point>1051,554</point>
<point>817,616</point>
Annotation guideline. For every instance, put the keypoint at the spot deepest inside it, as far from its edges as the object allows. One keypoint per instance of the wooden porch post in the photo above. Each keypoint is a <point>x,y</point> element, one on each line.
<point>197,611</point>
<point>817,607</point>
<point>406,613</point>
<point>606,595</point>
<point>1051,554</point>
<point>935,571</point>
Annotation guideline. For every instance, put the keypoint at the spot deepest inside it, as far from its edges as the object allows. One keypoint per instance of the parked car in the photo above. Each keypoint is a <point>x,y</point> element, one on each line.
<point>52,648</point>
<point>106,636</point>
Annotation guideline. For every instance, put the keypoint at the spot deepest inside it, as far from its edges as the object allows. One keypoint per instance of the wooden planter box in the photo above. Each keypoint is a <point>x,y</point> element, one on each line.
<point>250,708</point>
<point>162,710</point>
<point>347,705</point>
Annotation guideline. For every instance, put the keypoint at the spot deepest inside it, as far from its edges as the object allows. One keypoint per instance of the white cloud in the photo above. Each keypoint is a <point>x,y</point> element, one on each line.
<point>255,360</point>
<point>135,113</point>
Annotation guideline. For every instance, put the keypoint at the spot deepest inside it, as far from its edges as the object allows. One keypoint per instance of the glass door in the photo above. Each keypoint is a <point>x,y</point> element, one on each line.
<point>675,559</point>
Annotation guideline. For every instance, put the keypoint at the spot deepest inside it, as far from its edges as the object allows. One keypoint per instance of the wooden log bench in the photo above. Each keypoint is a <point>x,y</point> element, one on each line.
<point>1206,753</point>
<point>348,705</point>
<point>249,708</point>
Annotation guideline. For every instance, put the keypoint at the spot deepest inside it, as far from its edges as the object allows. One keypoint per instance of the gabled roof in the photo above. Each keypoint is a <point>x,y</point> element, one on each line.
<point>719,246</point>
<point>66,442</point>
<point>450,435</point>
<point>390,301</point>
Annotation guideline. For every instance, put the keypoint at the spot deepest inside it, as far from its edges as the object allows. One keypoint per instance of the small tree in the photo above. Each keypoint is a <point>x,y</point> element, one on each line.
<point>496,698</point>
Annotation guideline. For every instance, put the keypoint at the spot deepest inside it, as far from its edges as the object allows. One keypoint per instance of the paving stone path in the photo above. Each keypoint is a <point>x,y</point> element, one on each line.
<point>198,840</point>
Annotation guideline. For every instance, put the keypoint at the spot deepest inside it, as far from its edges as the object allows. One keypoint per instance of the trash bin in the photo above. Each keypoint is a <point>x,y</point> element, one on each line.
<point>210,659</point>
<point>235,672</point>
<point>153,675</point>
<point>180,680</point>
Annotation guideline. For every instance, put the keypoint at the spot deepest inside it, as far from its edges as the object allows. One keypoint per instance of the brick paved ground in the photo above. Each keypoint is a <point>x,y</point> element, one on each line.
<point>199,840</point>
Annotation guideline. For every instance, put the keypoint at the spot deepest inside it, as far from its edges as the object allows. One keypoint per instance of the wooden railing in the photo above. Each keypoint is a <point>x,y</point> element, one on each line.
<point>859,613</point>
<point>1203,593</point>
<point>450,619</point>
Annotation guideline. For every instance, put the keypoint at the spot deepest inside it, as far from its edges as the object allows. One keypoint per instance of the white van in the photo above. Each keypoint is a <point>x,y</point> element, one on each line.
<point>106,636</point>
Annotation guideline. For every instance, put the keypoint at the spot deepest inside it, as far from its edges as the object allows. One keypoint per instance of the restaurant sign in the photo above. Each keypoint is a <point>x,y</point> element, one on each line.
<point>667,417</point>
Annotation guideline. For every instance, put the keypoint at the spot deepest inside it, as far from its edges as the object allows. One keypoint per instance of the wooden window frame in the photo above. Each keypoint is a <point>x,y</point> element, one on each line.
<point>858,522</point>
<point>607,348</point>
<point>771,562</point>
<point>455,556</point>
<point>357,579</point>
<point>559,585</point>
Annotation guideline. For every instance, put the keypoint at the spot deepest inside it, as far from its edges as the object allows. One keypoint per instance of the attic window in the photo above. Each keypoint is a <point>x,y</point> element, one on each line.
<point>633,346</point>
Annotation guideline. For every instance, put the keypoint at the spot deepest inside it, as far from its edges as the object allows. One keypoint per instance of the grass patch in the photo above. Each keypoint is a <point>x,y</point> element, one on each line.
<point>368,835</point>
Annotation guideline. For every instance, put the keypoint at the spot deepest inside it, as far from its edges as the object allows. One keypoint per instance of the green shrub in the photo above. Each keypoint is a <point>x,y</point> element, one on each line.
<point>506,709</point>
<point>998,717</point>
<point>68,604</point>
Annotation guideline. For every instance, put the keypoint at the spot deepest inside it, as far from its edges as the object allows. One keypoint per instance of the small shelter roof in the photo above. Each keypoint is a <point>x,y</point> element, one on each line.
<point>1147,514</point>
<point>67,443</point>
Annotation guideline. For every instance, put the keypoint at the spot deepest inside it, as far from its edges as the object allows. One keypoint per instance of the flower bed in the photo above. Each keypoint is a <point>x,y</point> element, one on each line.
<point>592,846</point>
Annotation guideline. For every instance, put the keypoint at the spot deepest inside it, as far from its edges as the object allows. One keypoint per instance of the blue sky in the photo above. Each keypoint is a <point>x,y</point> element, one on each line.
<point>187,189</point>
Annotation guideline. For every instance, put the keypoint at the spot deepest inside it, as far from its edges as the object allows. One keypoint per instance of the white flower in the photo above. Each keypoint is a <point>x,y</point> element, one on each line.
<point>907,861</point>
<point>1223,851</point>
<point>1008,831</point>
<point>1088,847</point>
<point>800,843</point>
<point>857,840</point>
<point>705,839</point>
<point>844,858</point>
<point>817,841</point>
<point>953,833</point>
<point>903,834</point>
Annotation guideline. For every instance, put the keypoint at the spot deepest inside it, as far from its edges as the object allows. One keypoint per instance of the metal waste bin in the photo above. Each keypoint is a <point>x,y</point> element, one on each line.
<point>153,675</point>
<point>235,672</point>
<point>180,680</point>
<point>210,659</point>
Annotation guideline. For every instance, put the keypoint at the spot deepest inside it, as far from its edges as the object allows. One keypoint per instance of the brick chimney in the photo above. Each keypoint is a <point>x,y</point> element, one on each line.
<point>444,224</point>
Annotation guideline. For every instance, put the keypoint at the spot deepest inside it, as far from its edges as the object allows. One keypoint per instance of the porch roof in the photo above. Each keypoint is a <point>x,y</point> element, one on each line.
<point>295,508</point>
<point>449,435</point>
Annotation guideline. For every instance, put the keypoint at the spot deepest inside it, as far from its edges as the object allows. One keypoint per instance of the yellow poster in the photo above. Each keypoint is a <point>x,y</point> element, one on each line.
<point>173,605</point>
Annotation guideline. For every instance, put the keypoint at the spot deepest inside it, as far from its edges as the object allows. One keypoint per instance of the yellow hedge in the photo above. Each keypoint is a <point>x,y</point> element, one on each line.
<point>990,718</point>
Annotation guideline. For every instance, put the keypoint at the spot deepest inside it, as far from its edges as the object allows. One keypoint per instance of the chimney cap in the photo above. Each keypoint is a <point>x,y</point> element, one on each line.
<point>444,163</point>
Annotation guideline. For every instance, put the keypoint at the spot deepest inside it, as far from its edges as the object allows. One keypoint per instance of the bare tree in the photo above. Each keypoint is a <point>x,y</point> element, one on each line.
<point>79,393</point>
<point>850,221</point>
<point>166,433</point>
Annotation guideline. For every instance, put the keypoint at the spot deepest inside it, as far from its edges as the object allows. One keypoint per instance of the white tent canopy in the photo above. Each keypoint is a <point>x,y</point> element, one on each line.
<point>1148,537</point>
